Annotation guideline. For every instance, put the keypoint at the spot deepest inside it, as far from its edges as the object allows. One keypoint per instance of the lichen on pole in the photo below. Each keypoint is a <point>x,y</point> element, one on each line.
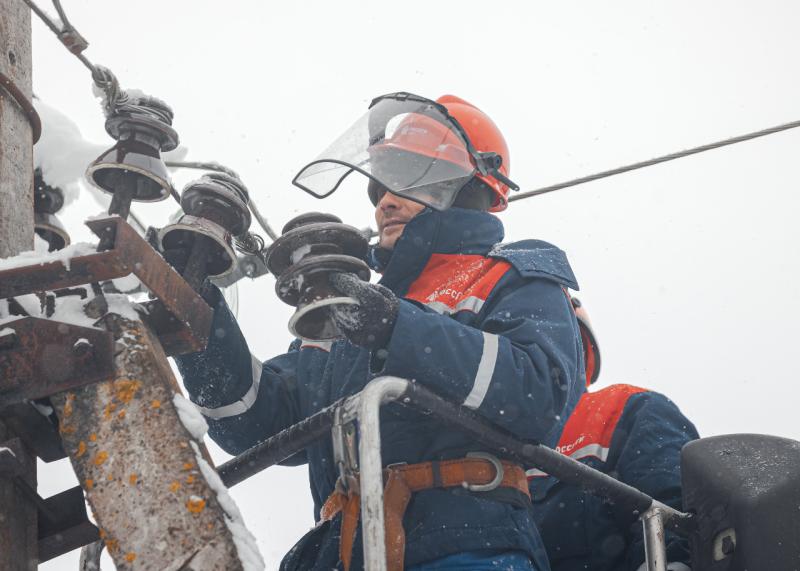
<point>139,465</point>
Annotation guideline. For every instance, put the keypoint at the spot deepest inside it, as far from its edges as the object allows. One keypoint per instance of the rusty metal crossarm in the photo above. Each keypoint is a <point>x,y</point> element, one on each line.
<point>121,252</point>
<point>42,357</point>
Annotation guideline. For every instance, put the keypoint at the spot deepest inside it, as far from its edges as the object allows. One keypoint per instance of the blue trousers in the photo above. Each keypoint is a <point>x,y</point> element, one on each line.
<point>479,561</point>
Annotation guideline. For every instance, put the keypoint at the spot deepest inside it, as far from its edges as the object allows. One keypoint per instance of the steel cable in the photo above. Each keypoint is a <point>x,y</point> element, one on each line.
<point>76,44</point>
<point>106,81</point>
<point>655,161</point>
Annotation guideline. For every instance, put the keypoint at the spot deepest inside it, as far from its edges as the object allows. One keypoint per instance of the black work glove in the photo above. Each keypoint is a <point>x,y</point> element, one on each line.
<point>178,258</point>
<point>370,323</point>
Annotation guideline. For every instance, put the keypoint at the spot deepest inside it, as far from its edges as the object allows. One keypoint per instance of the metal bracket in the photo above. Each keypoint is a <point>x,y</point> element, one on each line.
<point>180,317</point>
<point>62,520</point>
<point>39,434</point>
<point>10,467</point>
<point>71,527</point>
<point>25,104</point>
<point>246,266</point>
<point>41,357</point>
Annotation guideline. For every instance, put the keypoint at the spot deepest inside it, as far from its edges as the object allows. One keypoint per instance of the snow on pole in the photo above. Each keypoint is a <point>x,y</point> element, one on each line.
<point>246,544</point>
<point>137,464</point>
<point>62,153</point>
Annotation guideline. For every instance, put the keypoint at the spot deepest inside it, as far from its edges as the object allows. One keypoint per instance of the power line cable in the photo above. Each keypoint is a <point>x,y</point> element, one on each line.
<point>69,36</point>
<point>655,161</point>
<point>103,78</point>
<point>106,80</point>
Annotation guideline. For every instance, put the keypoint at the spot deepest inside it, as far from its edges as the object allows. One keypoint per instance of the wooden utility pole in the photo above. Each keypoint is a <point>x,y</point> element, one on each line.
<point>18,534</point>
<point>139,466</point>
<point>16,148</point>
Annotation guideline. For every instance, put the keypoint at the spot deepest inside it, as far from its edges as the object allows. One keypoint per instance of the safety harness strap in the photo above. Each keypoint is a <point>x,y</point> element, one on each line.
<point>476,474</point>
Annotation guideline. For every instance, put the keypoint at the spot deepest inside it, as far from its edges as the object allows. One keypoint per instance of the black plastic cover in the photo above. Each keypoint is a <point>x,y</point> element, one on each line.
<point>745,492</point>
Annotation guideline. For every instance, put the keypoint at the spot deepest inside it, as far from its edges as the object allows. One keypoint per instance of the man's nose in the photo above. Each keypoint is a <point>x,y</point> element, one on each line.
<point>388,201</point>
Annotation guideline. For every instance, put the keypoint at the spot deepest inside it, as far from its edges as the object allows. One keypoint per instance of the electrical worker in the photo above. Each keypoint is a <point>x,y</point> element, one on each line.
<point>632,434</point>
<point>485,325</point>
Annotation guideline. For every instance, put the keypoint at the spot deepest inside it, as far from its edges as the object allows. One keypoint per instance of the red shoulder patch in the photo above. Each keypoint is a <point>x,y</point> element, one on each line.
<point>450,283</point>
<point>591,426</point>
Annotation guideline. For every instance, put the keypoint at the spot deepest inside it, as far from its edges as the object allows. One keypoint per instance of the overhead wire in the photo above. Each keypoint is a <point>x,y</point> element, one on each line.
<point>103,77</point>
<point>76,44</point>
<point>67,35</point>
<point>655,161</point>
<point>201,165</point>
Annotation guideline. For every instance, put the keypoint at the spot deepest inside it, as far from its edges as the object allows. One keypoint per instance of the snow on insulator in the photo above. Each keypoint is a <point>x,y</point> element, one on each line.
<point>63,154</point>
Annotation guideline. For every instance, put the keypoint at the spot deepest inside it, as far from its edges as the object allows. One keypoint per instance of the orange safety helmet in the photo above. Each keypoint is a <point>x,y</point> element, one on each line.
<point>486,138</point>
<point>419,149</point>
<point>428,136</point>
<point>591,350</point>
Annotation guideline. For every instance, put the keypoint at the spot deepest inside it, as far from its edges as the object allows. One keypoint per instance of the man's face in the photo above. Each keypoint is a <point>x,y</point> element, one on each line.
<point>392,214</point>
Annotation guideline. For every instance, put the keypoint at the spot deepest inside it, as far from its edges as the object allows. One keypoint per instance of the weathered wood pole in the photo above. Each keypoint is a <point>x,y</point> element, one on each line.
<point>139,465</point>
<point>16,143</point>
<point>18,535</point>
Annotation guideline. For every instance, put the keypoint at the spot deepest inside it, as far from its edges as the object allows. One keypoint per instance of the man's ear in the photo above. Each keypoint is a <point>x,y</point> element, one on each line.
<point>475,195</point>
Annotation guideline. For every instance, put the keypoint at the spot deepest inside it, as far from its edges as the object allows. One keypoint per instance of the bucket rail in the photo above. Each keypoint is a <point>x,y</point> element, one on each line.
<point>364,408</point>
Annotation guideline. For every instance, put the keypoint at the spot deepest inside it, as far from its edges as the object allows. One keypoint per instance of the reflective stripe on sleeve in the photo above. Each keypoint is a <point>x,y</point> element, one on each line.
<point>596,450</point>
<point>471,303</point>
<point>243,404</point>
<point>485,371</point>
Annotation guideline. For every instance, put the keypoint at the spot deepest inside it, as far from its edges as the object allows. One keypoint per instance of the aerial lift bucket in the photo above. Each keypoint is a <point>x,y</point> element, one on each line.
<point>744,492</point>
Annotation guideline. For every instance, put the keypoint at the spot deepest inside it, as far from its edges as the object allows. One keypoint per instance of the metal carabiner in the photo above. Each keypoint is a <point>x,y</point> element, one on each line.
<point>498,477</point>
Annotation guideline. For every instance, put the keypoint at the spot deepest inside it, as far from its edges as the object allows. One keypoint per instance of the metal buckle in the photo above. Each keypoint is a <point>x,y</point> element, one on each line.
<point>395,465</point>
<point>498,477</point>
<point>345,452</point>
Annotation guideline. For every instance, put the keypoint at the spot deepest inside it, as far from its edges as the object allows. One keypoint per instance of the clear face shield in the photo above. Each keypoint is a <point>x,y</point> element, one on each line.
<point>407,144</point>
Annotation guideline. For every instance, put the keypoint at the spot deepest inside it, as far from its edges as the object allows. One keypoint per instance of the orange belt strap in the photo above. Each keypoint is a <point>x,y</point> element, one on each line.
<point>401,482</point>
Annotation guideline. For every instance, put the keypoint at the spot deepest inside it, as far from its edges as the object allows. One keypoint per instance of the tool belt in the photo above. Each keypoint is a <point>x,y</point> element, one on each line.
<point>478,473</point>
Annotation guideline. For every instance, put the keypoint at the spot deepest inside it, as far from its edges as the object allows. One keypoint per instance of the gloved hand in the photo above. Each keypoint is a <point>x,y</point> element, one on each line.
<point>178,258</point>
<point>370,323</point>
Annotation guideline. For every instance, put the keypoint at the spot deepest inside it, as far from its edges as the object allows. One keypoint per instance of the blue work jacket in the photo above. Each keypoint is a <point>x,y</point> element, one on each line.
<point>481,324</point>
<point>634,435</point>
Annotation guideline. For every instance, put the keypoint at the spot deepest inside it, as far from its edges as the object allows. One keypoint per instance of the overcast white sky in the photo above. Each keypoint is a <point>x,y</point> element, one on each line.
<point>689,269</point>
